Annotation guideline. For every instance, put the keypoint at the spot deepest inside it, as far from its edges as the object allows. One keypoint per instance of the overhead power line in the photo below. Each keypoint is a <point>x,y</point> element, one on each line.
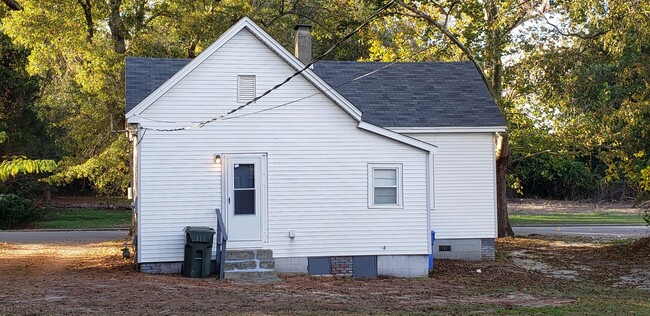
<point>313,94</point>
<point>285,81</point>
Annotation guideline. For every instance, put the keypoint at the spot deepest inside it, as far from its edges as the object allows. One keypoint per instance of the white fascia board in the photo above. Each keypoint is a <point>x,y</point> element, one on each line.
<point>308,73</point>
<point>398,137</point>
<point>269,42</point>
<point>144,104</point>
<point>423,130</point>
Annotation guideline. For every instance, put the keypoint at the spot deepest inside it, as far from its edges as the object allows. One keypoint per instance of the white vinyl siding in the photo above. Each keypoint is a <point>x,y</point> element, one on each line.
<point>317,179</point>
<point>464,185</point>
<point>384,185</point>
<point>245,88</point>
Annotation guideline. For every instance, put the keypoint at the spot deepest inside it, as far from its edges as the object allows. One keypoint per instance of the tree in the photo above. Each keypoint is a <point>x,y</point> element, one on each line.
<point>482,31</point>
<point>587,70</point>
<point>21,132</point>
<point>79,49</point>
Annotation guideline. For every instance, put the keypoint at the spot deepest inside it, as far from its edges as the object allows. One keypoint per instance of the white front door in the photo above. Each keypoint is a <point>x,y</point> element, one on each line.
<point>244,199</point>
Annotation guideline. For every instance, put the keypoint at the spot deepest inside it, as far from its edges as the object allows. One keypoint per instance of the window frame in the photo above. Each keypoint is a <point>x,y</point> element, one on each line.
<point>371,185</point>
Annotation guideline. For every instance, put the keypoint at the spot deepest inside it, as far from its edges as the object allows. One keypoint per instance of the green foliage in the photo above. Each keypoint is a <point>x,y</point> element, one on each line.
<point>17,212</point>
<point>79,48</point>
<point>107,171</point>
<point>10,168</point>
<point>553,176</point>
<point>571,77</point>
<point>582,84</point>
<point>21,132</point>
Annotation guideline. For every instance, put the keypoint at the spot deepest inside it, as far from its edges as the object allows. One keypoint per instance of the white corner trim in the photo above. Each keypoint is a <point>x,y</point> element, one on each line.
<point>398,137</point>
<point>422,130</point>
<point>248,24</point>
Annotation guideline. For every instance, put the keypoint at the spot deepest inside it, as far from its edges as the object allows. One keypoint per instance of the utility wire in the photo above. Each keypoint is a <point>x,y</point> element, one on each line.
<point>267,92</point>
<point>329,89</point>
<point>313,94</point>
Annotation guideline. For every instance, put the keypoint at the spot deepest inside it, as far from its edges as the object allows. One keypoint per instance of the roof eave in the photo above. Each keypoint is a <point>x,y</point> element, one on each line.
<point>247,23</point>
<point>398,137</point>
<point>450,129</point>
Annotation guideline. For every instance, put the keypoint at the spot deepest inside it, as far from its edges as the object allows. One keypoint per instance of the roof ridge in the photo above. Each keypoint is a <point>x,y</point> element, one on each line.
<point>156,58</point>
<point>409,94</point>
<point>390,62</point>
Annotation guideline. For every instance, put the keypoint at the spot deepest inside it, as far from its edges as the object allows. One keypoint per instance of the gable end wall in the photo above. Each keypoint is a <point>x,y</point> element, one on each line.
<point>464,185</point>
<point>317,164</point>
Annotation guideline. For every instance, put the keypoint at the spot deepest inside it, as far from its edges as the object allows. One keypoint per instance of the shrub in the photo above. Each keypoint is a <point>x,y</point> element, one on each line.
<point>551,176</point>
<point>17,212</point>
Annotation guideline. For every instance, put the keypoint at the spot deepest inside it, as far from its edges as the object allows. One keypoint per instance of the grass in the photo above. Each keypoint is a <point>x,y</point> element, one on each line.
<point>74,218</point>
<point>592,218</point>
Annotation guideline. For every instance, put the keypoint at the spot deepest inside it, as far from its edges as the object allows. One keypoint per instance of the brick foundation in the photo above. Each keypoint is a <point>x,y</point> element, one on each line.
<point>342,266</point>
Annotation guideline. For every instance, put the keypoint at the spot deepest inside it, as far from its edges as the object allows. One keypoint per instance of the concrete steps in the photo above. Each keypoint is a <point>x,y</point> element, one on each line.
<point>250,265</point>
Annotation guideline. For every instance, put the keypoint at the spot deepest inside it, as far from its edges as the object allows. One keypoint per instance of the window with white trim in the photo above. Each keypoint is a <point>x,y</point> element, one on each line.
<point>245,88</point>
<point>384,185</point>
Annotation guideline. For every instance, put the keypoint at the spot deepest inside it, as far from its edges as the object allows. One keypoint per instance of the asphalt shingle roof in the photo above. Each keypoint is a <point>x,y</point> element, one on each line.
<point>145,75</point>
<point>431,94</point>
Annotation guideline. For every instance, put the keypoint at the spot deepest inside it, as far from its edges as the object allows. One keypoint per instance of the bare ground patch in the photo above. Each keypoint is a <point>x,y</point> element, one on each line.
<point>621,264</point>
<point>93,279</point>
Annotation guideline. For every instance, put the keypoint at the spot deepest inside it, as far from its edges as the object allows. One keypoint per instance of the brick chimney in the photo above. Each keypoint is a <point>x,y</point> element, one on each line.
<point>303,43</point>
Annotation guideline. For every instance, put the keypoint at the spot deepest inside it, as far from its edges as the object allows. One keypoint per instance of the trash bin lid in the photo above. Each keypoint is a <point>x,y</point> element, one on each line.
<point>199,233</point>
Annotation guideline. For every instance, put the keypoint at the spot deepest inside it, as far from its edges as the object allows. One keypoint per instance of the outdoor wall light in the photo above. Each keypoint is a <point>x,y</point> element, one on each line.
<point>217,159</point>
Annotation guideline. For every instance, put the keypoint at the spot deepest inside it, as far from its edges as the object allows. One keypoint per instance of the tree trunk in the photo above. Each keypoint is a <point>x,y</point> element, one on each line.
<point>87,7</point>
<point>494,66</point>
<point>116,25</point>
<point>502,162</point>
<point>13,5</point>
<point>133,227</point>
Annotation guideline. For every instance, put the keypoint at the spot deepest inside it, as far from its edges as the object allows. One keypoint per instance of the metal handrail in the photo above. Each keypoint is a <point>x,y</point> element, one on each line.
<point>222,239</point>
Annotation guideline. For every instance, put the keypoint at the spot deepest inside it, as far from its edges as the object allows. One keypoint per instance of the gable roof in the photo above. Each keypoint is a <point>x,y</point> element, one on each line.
<point>425,94</point>
<point>145,75</point>
<point>430,94</point>
<point>266,39</point>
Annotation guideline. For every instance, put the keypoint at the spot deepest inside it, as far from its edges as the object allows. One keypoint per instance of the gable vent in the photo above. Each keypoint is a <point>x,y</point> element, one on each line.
<point>245,88</point>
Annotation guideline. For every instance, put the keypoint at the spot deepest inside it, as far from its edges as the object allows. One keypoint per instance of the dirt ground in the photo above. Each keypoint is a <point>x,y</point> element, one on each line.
<point>93,279</point>
<point>533,206</point>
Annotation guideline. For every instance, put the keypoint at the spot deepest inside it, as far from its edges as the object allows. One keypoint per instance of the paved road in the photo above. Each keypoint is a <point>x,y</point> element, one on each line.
<point>61,237</point>
<point>587,231</point>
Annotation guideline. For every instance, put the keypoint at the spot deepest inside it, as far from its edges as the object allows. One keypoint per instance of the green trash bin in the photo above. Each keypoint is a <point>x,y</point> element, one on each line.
<point>198,251</point>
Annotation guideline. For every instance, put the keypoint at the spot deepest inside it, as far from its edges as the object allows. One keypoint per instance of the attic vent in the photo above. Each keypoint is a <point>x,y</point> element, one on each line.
<point>245,88</point>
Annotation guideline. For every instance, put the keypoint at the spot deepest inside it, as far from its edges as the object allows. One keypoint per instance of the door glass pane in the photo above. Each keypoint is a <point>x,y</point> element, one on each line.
<point>245,202</point>
<point>244,176</point>
<point>385,177</point>
<point>385,195</point>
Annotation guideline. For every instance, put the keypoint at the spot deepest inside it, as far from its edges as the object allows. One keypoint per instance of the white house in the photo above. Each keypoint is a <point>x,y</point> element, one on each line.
<point>346,168</point>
